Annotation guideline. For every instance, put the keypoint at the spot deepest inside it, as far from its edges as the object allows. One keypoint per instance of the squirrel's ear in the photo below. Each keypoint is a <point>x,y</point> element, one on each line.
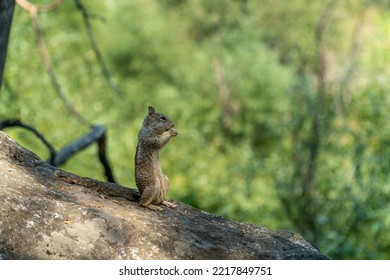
<point>151,110</point>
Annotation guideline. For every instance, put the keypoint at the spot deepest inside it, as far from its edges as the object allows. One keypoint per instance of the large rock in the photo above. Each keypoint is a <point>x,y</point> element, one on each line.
<point>44,217</point>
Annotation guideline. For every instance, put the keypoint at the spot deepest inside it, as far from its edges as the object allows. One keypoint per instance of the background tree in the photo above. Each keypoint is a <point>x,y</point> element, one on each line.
<point>6,12</point>
<point>281,105</point>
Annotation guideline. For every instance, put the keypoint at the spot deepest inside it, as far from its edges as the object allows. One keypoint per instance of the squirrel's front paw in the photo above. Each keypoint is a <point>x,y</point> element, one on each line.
<point>173,131</point>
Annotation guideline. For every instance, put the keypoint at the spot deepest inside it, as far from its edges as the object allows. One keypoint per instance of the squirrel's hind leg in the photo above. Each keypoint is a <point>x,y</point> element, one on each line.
<point>153,207</point>
<point>158,208</point>
<point>168,204</point>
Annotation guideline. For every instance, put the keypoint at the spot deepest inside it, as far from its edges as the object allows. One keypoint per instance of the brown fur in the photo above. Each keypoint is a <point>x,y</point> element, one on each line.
<point>156,131</point>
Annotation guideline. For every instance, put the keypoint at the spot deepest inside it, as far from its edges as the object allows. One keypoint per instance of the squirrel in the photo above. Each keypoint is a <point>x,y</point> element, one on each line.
<point>156,131</point>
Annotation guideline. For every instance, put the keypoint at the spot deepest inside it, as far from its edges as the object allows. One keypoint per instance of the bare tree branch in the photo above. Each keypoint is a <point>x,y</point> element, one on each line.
<point>315,107</point>
<point>28,6</point>
<point>18,123</point>
<point>94,45</point>
<point>354,52</point>
<point>33,11</point>
<point>98,135</point>
<point>224,95</point>
<point>49,69</point>
<point>68,151</point>
<point>102,144</point>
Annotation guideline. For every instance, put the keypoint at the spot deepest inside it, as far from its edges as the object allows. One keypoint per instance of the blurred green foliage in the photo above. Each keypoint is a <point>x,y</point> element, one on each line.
<point>282,106</point>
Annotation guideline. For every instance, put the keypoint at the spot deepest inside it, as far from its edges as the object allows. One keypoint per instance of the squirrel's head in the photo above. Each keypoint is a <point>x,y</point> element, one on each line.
<point>157,121</point>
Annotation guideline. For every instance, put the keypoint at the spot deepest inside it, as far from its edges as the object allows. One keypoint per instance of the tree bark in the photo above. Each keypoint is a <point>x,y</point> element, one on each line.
<point>45,217</point>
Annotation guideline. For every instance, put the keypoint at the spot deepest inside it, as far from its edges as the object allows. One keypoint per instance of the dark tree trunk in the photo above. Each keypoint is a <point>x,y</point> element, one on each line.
<point>6,12</point>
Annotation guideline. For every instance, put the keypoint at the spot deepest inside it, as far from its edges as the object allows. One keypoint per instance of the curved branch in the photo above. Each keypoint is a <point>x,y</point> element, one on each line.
<point>79,144</point>
<point>97,134</point>
<point>13,123</point>
<point>102,144</point>
<point>49,69</point>
<point>94,45</point>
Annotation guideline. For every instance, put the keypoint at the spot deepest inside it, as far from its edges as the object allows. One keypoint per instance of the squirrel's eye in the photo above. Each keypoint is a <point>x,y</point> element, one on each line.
<point>163,118</point>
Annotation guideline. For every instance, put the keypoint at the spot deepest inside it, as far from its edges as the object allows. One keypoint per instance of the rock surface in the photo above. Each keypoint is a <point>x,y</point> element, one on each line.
<point>43,217</point>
